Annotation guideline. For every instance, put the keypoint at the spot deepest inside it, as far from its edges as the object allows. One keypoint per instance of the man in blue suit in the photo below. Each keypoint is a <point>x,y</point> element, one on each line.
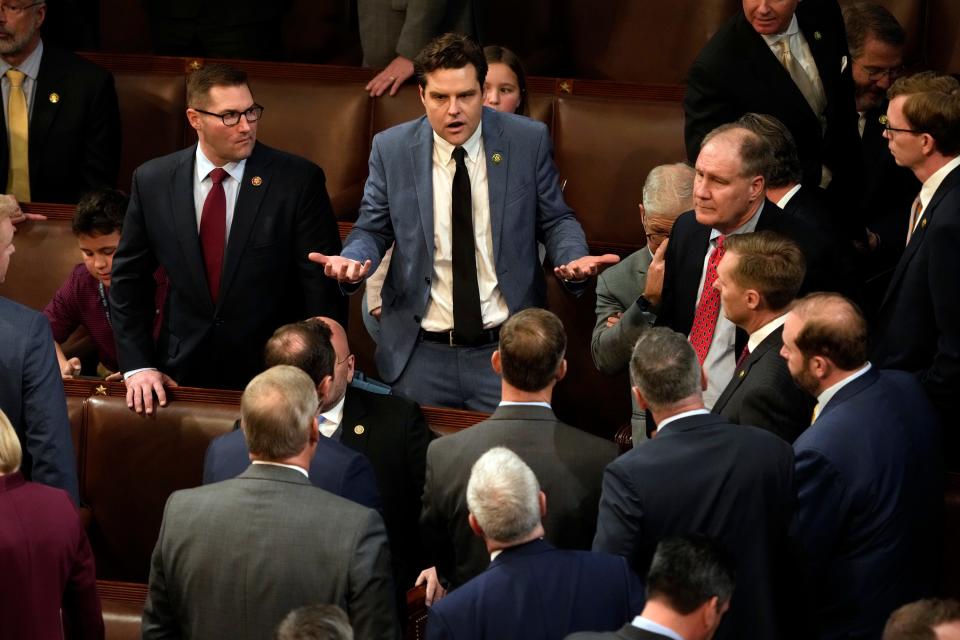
<point>531,589</point>
<point>31,390</point>
<point>334,467</point>
<point>868,473</point>
<point>465,193</point>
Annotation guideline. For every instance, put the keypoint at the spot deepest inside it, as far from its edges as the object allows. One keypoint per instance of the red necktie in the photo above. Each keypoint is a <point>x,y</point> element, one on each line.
<point>743,356</point>
<point>705,319</point>
<point>213,231</point>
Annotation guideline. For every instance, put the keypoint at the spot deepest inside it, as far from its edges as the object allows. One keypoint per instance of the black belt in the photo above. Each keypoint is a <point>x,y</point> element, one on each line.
<point>487,336</point>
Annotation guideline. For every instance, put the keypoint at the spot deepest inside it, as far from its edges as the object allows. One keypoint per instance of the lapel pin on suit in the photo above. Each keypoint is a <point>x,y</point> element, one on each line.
<point>742,372</point>
<point>923,223</point>
<point>358,429</point>
<point>54,97</point>
<point>817,35</point>
<point>256,181</point>
<point>497,158</point>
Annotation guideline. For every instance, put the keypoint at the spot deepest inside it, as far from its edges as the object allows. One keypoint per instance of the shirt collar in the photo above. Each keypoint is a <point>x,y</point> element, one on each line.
<point>509,403</point>
<point>204,167</point>
<point>332,417</point>
<point>30,66</point>
<point>288,466</point>
<point>933,182</point>
<point>792,29</point>
<point>444,149</point>
<point>685,414</point>
<point>763,332</point>
<point>655,627</point>
<point>747,227</point>
<point>788,196</point>
<point>827,394</point>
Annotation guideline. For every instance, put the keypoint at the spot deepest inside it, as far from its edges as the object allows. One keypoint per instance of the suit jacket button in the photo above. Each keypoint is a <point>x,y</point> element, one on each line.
<point>417,319</point>
<point>427,279</point>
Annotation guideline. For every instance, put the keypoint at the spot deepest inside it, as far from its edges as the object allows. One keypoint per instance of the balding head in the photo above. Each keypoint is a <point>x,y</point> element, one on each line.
<point>667,192</point>
<point>344,366</point>
<point>277,412</point>
<point>730,177</point>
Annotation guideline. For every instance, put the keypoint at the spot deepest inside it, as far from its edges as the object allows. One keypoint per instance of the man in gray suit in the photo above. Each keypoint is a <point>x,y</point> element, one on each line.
<point>628,293</point>
<point>233,558</point>
<point>758,277</point>
<point>568,462</point>
<point>466,193</point>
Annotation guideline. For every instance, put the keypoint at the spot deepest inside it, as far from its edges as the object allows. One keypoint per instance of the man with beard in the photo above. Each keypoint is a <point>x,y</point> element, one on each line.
<point>61,133</point>
<point>868,473</point>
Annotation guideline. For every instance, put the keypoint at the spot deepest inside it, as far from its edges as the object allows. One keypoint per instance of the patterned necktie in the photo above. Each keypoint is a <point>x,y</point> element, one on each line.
<point>708,309</point>
<point>800,78</point>
<point>915,212</point>
<point>213,231</point>
<point>18,176</point>
<point>467,318</point>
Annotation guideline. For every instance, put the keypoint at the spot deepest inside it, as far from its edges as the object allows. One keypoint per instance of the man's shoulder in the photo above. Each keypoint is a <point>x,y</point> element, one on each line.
<point>725,41</point>
<point>13,314</point>
<point>166,164</point>
<point>70,65</point>
<point>289,162</point>
<point>403,133</point>
<point>630,268</point>
<point>513,125</point>
<point>385,402</point>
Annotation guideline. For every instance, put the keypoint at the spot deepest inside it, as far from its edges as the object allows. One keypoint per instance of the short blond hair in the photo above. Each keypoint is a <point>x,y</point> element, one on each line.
<point>8,206</point>
<point>11,454</point>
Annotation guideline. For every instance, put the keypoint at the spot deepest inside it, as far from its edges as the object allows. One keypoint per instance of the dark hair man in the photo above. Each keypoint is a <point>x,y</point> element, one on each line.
<point>466,236</point>
<point>568,462</point>
<point>702,474</point>
<point>868,473</point>
<point>758,278</point>
<point>932,619</point>
<point>230,220</point>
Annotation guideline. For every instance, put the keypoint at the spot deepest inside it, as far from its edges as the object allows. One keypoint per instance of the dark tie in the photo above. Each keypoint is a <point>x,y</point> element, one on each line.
<point>467,320</point>
<point>743,356</point>
<point>705,318</point>
<point>213,231</point>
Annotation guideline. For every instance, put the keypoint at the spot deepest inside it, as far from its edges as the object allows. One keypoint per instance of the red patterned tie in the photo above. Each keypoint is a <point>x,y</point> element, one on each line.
<point>705,319</point>
<point>213,230</point>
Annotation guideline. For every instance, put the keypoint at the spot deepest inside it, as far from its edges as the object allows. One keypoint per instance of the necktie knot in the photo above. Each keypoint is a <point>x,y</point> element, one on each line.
<point>218,175</point>
<point>720,241</point>
<point>16,77</point>
<point>459,153</point>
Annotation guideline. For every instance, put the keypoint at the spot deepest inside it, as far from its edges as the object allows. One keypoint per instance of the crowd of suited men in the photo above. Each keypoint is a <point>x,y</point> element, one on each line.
<point>791,331</point>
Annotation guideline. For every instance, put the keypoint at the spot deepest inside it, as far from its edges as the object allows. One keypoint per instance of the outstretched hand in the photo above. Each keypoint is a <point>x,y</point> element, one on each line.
<point>341,269</point>
<point>585,267</point>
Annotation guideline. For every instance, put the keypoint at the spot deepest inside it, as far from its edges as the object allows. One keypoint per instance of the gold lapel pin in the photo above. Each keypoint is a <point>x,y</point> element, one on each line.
<point>256,181</point>
<point>742,373</point>
<point>497,158</point>
<point>358,429</point>
<point>817,35</point>
<point>54,97</point>
<point>923,223</point>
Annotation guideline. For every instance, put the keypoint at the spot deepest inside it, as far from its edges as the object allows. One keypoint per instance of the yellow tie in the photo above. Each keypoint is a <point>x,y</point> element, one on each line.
<point>800,78</point>
<point>18,178</point>
<point>815,413</point>
<point>915,213</point>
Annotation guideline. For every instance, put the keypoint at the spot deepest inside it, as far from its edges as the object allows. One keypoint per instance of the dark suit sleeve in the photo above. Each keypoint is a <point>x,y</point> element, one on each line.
<point>132,289</point>
<point>437,540</point>
<point>418,437</point>
<point>82,618</point>
<point>437,627</point>
<point>159,620</point>
<point>317,231</point>
<point>942,379</point>
<point>46,424</point>
<point>620,517</point>
<point>821,507</point>
<point>370,599</point>
<point>611,347</point>
<point>359,484</point>
<point>777,408</point>
<point>101,150</point>
<point>705,105</point>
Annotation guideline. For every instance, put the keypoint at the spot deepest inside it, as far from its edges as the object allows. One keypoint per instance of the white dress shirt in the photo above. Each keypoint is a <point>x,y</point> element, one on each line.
<point>679,416</point>
<point>763,332</point>
<point>31,68</point>
<point>655,627</point>
<point>332,418</point>
<point>286,466</point>
<point>788,196</point>
<point>439,313</point>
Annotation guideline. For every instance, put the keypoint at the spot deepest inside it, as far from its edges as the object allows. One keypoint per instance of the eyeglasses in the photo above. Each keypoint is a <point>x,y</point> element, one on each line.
<point>340,362</point>
<point>18,10</point>
<point>886,125</point>
<point>875,73</point>
<point>232,118</point>
<point>657,234</point>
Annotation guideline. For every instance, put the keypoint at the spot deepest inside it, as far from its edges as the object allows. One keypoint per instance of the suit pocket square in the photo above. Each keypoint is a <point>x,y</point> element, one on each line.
<point>843,63</point>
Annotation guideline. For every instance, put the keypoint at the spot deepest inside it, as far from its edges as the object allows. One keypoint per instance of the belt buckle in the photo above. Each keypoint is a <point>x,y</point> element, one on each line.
<point>452,343</point>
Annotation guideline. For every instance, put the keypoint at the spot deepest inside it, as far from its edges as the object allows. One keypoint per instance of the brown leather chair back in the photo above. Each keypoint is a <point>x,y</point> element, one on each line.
<point>389,111</point>
<point>46,253</point>
<point>909,13</point>
<point>943,35</point>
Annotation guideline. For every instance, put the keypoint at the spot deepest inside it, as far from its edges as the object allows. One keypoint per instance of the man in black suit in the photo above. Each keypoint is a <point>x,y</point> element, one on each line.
<point>72,139</point>
<point>728,198</point>
<point>876,42</point>
<point>568,462</point>
<point>231,221</point>
<point>788,59</point>
<point>334,467</point>
<point>689,587</point>
<point>758,278</point>
<point>702,474</point>
<point>918,328</point>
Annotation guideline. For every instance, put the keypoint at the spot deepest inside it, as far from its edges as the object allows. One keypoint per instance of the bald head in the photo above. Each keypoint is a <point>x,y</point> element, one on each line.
<point>832,327</point>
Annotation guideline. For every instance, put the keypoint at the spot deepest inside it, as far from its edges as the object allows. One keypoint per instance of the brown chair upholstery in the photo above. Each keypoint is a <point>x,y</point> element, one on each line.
<point>909,13</point>
<point>604,148</point>
<point>943,35</point>
<point>131,466</point>
<point>389,111</point>
<point>327,122</point>
<point>122,605</point>
<point>46,253</point>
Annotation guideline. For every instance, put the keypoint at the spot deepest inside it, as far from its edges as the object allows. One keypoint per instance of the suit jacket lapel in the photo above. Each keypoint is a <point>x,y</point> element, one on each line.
<point>495,144</point>
<point>45,111</point>
<point>421,155</point>
<point>850,390</point>
<point>184,214</point>
<point>771,341</point>
<point>821,50</point>
<point>354,414</point>
<point>245,213</point>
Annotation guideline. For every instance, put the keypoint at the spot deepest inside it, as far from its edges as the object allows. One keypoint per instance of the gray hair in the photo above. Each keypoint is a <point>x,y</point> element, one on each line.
<point>785,168</point>
<point>504,496</point>
<point>276,412</point>
<point>664,367</point>
<point>865,20</point>
<point>668,190</point>
<point>316,622</point>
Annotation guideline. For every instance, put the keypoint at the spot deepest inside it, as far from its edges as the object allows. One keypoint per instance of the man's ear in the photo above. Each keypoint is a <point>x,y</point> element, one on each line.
<point>475,526</point>
<point>752,298</point>
<point>314,430</point>
<point>323,389</point>
<point>423,96</point>
<point>757,187</point>
<point>543,505</point>
<point>641,401</point>
<point>562,370</point>
<point>193,117</point>
<point>496,363</point>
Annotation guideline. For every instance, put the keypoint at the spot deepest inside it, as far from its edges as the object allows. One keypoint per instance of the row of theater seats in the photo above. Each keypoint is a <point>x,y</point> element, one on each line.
<point>646,41</point>
<point>129,465</point>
